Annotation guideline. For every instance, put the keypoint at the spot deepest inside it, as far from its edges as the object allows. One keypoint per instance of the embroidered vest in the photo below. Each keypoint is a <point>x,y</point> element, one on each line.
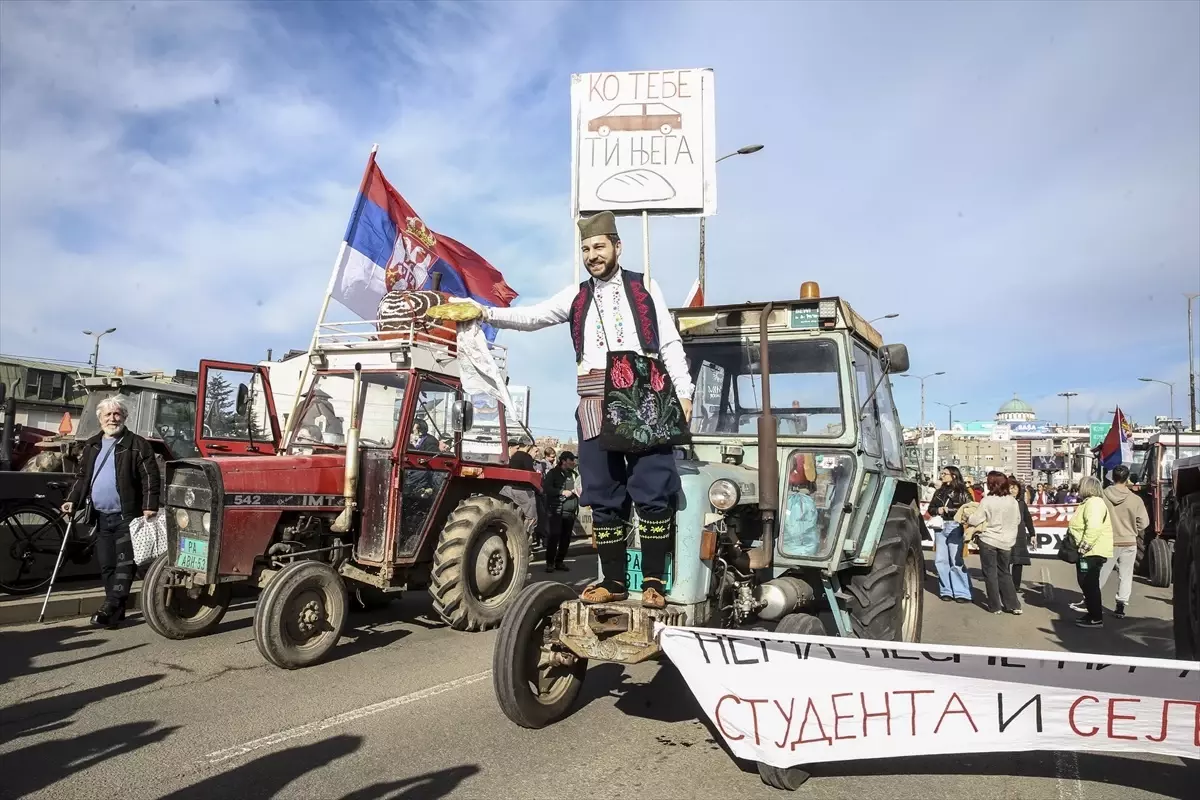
<point>645,316</point>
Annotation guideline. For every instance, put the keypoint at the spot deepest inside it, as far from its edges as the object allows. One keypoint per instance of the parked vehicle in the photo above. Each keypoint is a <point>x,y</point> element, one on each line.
<point>363,497</point>
<point>1186,593</point>
<point>1156,547</point>
<point>800,382</point>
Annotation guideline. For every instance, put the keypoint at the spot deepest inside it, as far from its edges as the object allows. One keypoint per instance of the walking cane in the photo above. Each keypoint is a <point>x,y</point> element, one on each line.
<point>57,564</point>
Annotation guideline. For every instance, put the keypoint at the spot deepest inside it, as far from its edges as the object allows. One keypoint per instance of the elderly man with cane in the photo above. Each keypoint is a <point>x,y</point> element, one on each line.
<point>117,481</point>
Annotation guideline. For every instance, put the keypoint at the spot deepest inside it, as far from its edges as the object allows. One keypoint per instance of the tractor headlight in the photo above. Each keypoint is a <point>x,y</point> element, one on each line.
<point>723,494</point>
<point>206,520</point>
<point>181,518</point>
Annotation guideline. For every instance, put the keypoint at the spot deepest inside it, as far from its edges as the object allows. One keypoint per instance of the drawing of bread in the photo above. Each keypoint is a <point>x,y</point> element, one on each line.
<point>635,186</point>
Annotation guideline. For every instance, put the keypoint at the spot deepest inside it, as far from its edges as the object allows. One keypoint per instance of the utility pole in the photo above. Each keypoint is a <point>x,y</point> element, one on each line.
<point>921,437</point>
<point>1191,361</point>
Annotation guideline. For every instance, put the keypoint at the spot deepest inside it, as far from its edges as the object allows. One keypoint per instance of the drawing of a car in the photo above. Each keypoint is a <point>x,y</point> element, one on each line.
<point>637,117</point>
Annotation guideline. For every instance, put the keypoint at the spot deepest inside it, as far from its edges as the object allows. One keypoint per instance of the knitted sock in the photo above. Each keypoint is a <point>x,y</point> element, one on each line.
<point>654,530</point>
<point>610,544</point>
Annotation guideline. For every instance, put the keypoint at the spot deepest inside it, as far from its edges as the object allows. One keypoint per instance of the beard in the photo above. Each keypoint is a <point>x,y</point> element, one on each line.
<point>113,430</point>
<point>602,268</point>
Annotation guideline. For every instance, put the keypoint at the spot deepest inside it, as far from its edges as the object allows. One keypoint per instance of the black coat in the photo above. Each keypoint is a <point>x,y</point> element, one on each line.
<point>139,484</point>
<point>557,480</point>
<point>1025,534</point>
<point>951,500</point>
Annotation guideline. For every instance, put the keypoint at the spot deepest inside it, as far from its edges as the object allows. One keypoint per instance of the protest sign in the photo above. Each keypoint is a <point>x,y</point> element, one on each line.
<point>791,699</point>
<point>644,141</point>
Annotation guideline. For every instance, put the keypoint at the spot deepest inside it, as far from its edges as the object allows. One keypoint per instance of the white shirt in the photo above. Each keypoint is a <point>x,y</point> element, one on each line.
<point>619,326</point>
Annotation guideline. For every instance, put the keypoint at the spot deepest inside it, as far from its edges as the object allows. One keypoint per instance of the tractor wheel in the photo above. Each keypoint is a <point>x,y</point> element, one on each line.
<point>481,563</point>
<point>1186,594</point>
<point>300,615</point>
<point>887,599</point>
<point>791,778</point>
<point>180,617</point>
<point>369,598</point>
<point>1158,562</point>
<point>1139,558</point>
<point>533,692</point>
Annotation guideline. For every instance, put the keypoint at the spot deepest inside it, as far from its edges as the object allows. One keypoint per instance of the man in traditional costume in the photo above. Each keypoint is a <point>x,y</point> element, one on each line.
<point>614,310</point>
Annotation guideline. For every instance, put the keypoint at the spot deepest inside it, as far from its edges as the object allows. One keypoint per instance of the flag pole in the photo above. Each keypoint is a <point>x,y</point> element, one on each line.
<point>290,426</point>
<point>646,247</point>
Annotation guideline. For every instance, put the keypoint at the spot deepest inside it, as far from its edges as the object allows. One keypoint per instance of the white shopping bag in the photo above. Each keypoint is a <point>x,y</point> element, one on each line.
<point>149,537</point>
<point>935,523</point>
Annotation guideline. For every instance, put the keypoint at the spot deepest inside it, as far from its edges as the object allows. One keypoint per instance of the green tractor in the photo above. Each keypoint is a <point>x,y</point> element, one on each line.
<point>796,513</point>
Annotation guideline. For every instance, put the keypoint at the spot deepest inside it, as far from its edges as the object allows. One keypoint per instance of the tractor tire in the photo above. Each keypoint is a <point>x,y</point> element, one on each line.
<point>887,599</point>
<point>181,617</point>
<point>481,563</point>
<point>516,660</point>
<point>791,778</point>
<point>1186,593</point>
<point>1158,562</point>
<point>300,615</point>
<point>1139,558</point>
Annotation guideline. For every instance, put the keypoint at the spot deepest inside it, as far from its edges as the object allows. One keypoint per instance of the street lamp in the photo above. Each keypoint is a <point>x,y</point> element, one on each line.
<point>741,151</point>
<point>921,438</point>
<point>96,350</point>
<point>885,316</point>
<point>1191,362</point>
<point>950,412</point>
<point>1170,386</point>
<point>1070,447</point>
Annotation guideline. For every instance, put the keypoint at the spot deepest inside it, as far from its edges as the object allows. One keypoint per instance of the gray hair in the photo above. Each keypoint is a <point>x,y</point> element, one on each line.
<point>1090,487</point>
<point>116,401</point>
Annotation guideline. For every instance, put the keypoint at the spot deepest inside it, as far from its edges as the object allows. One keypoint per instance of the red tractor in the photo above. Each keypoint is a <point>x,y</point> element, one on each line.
<point>372,493</point>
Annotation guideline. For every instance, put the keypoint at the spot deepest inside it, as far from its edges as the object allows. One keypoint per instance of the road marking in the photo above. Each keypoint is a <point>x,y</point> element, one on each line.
<point>341,719</point>
<point>1066,768</point>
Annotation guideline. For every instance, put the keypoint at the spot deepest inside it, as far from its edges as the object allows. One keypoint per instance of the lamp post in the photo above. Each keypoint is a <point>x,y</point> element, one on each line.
<point>1171,388</point>
<point>1070,450</point>
<point>96,350</point>
<point>950,412</point>
<point>921,437</point>
<point>885,316</point>
<point>1191,363</point>
<point>741,151</point>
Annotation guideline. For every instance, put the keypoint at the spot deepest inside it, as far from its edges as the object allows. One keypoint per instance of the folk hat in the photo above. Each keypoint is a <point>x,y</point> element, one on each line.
<point>598,225</point>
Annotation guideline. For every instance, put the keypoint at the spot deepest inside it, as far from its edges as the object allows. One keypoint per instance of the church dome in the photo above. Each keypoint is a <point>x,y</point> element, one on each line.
<point>1016,410</point>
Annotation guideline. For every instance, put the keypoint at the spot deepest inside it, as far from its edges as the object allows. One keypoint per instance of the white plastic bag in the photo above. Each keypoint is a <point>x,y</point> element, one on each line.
<point>149,537</point>
<point>935,523</point>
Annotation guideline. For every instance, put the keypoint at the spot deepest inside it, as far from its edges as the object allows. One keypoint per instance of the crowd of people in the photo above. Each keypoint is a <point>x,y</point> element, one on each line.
<point>1043,494</point>
<point>551,515</point>
<point>994,520</point>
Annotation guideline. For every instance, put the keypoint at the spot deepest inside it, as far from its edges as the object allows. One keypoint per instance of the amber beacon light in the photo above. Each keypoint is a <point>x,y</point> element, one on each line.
<point>809,290</point>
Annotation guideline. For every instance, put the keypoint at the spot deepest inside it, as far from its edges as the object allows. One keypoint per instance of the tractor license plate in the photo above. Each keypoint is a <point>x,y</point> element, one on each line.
<point>633,571</point>
<point>193,554</point>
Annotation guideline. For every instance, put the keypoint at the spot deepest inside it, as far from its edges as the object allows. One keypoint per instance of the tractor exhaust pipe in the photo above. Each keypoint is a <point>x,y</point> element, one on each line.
<point>350,490</point>
<point>768,459</point>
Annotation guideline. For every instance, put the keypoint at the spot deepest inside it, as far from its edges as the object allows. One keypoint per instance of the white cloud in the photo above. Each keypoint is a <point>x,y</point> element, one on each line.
<point>1020,182</point>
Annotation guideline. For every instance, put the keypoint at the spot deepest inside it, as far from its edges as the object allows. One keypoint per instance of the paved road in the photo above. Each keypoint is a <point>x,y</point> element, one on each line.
<point>405,710</point>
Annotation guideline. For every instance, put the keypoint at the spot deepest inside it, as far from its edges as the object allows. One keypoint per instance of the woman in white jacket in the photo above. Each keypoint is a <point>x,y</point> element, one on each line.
<point>998,518</point>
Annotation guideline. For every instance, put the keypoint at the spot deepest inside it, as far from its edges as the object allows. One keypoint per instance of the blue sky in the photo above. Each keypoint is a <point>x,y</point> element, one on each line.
<point>1020,181</point>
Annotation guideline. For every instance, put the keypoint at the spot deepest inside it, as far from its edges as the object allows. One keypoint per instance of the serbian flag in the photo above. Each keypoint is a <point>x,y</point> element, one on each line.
<point>389,248</point>
<point>695,298</point>
<point>1117,447</point>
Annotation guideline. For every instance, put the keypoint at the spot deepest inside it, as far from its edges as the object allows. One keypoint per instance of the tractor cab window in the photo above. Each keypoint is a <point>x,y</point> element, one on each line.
<point>806,396</point>
<point>431,431</point>
<point>817,486</point>
<point>325,415</point>
<point>1167,459</point>
<point>175,424</point>
<point>865,375</point>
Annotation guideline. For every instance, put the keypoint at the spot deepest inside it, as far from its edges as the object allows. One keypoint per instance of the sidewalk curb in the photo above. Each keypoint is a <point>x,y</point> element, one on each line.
<point>73,604</point>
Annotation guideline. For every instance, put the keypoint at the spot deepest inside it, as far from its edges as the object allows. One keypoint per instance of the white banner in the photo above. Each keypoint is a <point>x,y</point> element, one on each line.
<point>789,699</point>
<point>1049,524</point>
